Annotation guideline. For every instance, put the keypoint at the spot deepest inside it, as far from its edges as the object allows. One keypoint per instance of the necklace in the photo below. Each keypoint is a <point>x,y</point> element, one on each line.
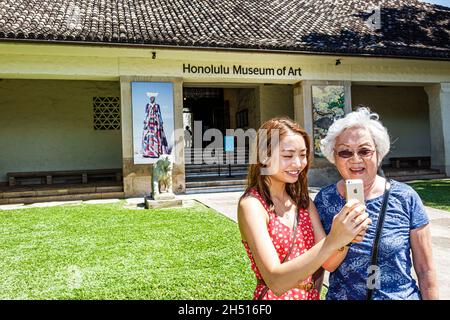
<point>285,212</point>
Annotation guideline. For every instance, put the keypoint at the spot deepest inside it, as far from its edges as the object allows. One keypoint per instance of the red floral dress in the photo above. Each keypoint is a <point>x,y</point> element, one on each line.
<point>282,238</point>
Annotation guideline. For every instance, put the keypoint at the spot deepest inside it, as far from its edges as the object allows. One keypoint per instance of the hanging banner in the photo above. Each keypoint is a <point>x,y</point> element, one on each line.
<point>153,121</point>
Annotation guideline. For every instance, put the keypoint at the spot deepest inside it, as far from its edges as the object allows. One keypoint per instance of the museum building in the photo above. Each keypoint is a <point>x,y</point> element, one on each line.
<point>67,69</point>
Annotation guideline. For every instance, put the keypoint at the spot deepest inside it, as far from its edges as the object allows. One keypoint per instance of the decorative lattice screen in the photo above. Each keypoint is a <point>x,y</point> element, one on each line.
<point>106,113</point>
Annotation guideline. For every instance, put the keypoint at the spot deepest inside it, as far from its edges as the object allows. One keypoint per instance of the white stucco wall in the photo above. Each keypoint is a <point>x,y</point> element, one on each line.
<point>276,101</point>
<point>404,111</point>
<point>48,125</point>
<point>61,61</point>
<point>248,99</point>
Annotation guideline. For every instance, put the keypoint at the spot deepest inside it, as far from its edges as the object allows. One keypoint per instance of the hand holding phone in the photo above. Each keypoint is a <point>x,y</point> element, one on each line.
<point>354,189</point>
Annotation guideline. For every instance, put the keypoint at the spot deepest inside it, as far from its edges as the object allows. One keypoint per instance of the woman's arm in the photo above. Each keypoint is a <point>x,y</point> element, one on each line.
<point>423,262</point>
<point>332,263</point>
<point>337,257</point>
<point>280,277</point>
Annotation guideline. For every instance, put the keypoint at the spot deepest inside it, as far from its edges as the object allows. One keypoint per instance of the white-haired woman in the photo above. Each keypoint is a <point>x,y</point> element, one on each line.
<point>356,144</point>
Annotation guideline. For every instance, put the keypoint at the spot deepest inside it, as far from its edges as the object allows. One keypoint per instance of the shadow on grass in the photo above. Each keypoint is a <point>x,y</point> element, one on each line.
<point>434,193</point>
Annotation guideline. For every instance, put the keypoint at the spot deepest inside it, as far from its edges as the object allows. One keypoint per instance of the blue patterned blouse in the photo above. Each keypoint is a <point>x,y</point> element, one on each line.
<point>405,212</point>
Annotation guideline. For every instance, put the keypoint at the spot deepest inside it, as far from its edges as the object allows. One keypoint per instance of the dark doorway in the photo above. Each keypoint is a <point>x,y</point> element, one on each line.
<point>216,170</point>
<point>206,105</point>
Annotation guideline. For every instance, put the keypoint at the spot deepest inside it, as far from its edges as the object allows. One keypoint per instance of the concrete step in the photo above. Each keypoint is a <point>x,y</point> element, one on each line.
<point>206,167</point>
<point>216,183</point>
<point>213,165</point>
<point>209,184</point>
<point>419,177</point>
<point>410,172</point>
<point>193,166</point>
<point>199,156</point>
<point>194,175</point>
<point>188,151</point>
<point>212,168</point>
<point>212,173</point>
<point>214,189</point>
<point>59,191</point>
<point>67,197</point>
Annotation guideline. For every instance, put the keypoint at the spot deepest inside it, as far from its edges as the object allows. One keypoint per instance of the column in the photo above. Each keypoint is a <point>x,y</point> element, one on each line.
<point>303,106</point>
<point>322,172</point>
<point>137,178</point>
<point>439,108</point>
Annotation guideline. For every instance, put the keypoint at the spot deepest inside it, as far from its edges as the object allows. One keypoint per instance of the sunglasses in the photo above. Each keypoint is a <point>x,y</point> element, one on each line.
<point>362,153</point>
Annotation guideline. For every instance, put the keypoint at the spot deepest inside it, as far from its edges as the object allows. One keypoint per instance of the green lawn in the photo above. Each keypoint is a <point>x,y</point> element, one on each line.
<point>109,252</point>
<point>434,193</point>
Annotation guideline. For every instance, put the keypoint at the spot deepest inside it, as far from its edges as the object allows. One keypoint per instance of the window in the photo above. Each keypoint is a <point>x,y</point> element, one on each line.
<point>106,113</point>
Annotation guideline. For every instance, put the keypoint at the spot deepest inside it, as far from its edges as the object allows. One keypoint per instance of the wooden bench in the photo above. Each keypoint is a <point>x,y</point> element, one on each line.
<point>47,176</point>
<point>411,161</point>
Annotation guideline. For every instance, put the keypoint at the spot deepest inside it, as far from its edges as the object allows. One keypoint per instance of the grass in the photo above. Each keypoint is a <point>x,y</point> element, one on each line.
<point>434,193</point>
<point>109,252</point>
<point>323,293</point>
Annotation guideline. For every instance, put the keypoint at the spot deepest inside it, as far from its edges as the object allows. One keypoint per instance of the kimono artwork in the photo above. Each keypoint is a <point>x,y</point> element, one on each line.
<point>153,137</point>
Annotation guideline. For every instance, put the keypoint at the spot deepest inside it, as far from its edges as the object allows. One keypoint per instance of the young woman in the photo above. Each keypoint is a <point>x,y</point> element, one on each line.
<point>276,204</point>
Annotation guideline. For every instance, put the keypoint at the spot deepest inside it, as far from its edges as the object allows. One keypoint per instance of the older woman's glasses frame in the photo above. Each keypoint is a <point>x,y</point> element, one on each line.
<point>362,153</point>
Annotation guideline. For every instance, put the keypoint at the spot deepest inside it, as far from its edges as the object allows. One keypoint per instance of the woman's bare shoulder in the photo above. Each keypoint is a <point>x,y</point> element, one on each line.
<point>251,213</point>
<point>250,205</point>
<point>249,201</point>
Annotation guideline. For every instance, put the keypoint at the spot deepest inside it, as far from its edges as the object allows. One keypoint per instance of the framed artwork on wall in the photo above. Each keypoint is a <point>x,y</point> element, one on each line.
<point>327,106</point>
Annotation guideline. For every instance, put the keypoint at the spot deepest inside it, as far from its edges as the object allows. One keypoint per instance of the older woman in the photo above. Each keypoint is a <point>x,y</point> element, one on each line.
<point>356,144</point>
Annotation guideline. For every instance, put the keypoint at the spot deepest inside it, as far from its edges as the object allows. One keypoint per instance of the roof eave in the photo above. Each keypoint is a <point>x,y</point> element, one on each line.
<point>234,49</point>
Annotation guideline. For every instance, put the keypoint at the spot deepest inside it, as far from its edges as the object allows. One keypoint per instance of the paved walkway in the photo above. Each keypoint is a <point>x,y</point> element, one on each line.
<point>226,203</point>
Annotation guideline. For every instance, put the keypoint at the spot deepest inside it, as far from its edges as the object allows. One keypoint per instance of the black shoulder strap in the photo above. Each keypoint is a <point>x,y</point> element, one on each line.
<point>376,241</point>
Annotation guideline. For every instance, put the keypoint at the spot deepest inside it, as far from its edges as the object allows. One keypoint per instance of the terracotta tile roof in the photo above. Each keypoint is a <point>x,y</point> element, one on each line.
<point>407,27</point>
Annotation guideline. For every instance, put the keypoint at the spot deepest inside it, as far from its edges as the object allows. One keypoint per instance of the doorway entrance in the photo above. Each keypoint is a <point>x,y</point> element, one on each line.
<point>208,106</point>
<point>217,108</point>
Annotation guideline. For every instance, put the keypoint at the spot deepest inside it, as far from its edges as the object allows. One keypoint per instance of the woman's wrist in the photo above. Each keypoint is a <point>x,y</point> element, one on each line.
<point>330,244</point>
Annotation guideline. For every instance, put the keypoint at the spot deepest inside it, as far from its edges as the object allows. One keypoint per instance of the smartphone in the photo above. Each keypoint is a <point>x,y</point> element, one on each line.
<point>354,190</point>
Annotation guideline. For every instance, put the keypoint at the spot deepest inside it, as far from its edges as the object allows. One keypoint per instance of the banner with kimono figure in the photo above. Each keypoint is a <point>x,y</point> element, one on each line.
<point>153,121</point>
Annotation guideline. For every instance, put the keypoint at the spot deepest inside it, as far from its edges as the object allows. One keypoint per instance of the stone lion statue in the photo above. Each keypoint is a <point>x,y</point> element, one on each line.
<point>162,178</point>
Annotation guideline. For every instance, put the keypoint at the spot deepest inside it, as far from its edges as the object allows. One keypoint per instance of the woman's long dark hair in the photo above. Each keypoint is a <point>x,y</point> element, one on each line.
<point>298,191</point>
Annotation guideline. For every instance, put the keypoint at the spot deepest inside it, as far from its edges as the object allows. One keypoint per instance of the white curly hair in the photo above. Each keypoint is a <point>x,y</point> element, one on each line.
<point>361,118</point>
